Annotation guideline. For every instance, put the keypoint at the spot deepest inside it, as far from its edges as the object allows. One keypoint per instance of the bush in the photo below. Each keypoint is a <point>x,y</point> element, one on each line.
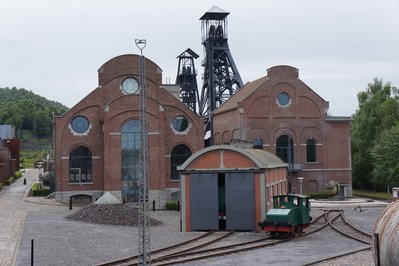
<point>37,192</point>
<point>1,186</point>
<point>18,174</point>
<point>320,195</point>
<point>10,180</point>
<point>171,206</point>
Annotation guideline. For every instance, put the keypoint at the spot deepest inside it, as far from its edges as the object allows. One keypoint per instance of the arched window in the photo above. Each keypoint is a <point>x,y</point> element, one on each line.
<point>179,155</point>
<point>130,160</point>
<point>285,148</point>
<point>80,165</point>
<point>311,151</point>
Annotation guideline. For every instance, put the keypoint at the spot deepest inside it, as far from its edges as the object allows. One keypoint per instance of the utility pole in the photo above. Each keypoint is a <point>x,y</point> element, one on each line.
<point>144,218</point>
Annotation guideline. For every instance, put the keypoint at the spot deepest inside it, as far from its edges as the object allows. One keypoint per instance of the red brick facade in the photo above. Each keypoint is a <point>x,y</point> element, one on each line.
<point>107,109</point>
<point>7,164</point>
<point>280,104</point>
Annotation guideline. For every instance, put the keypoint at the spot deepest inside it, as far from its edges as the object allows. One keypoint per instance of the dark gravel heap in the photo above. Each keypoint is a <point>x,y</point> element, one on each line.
<point>115,214</point>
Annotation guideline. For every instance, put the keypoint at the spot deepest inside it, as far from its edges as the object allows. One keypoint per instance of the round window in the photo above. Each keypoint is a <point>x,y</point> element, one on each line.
<point>180,123</point>
<point>283,99</point>
<point>130,86</point>
<point>80,124</point>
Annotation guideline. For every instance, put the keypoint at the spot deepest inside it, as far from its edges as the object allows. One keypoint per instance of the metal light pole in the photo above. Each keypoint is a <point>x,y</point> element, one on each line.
<point>144,218</point>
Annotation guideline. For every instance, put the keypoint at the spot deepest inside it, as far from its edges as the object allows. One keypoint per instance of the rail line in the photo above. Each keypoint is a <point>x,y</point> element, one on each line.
<point>194,249</point>
<point>189,245</point>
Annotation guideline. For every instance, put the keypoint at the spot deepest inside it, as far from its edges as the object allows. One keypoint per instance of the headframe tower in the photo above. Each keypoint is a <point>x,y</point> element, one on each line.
<point>221,78</point>
<point>187,79</point>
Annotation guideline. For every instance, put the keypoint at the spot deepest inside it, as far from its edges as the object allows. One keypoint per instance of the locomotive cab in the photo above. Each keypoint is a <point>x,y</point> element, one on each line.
<point>290,215</point>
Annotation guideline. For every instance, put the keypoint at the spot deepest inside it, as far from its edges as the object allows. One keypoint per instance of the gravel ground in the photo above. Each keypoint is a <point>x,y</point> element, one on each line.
<point>113,214</point>
<point>60,241</point>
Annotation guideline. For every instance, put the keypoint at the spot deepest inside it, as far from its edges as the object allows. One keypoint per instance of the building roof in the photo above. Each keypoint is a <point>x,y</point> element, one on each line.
<point>215,13</point>
<point>280,73</point>
<point>261,158</point>
<point>241,95</point>
<point>7,132</point>
<point>338,118</point>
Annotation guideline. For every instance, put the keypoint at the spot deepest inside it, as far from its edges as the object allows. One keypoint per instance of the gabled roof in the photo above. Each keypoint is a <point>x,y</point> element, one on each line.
<point>276,74</point>
<point>241,95</point>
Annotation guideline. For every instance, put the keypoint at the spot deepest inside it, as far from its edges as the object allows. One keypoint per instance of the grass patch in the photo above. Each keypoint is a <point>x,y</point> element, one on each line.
<point>372,194</point>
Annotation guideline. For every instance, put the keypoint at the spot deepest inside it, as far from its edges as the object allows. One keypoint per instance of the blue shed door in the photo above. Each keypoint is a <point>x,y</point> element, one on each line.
<point>204,202</point>
<point>240,207</point>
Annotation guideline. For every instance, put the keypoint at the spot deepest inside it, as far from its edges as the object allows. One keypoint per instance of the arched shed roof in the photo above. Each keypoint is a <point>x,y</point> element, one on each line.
<point>262,159</point>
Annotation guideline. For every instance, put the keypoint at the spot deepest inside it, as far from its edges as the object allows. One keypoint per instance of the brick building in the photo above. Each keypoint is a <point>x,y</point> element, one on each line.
<point>98,138</point>
<point>284,116</point>
<point>227,187</point>
<point>9,153</point>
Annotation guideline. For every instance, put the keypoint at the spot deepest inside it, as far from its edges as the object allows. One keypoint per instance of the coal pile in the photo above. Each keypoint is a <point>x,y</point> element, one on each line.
<point>113,214</point>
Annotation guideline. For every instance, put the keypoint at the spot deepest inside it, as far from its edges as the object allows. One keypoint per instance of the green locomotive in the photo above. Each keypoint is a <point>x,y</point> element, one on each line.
<point>290,215</point>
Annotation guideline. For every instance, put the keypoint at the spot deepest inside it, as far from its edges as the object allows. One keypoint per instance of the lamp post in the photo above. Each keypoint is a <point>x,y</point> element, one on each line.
<point>144,218</point>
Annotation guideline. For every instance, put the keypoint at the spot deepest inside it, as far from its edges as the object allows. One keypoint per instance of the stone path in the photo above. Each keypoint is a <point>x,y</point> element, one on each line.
<point>13,212</point>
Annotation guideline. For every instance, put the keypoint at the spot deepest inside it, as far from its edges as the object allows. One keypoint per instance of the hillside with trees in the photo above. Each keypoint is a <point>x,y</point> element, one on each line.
<point>28,112</point>
<point>375,137</point>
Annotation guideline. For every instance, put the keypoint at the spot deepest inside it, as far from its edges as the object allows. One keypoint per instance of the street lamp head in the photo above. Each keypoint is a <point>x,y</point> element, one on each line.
<point>140,43</point>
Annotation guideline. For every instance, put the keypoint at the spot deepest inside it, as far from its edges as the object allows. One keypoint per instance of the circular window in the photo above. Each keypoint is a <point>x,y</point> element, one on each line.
<point>80,124</point>
<point>130,86</point>
<point>180,123</point>
<point>283,99</point>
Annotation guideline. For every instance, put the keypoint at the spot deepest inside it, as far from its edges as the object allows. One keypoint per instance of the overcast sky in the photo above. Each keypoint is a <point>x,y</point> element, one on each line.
<point>54,48</point>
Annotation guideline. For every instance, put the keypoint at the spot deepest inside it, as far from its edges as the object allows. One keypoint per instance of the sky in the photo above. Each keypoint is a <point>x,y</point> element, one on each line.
<point>54,48</point>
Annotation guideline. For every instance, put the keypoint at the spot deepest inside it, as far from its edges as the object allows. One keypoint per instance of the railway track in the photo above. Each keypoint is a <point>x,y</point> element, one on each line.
<point>201,247</point>
<point>202,241</point>
<point>336,220</point>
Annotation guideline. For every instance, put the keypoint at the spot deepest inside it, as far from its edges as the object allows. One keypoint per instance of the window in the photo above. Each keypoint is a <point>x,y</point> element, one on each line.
<point>130,160</point>
<point>179,155</point>
<point>180,123</point>
<point>80,124</point>
<point>285,148</point>
<point>311,151</point>
<point>283,99</point>
<point>80,165</point>
<point>257,144</point>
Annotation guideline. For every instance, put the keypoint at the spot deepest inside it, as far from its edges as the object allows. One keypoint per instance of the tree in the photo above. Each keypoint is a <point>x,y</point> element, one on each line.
<point>385,154</point>
<point>378,111</point>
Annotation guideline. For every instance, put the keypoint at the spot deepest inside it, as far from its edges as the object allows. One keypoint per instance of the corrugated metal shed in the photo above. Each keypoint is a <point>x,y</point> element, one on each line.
<point>7,132</point>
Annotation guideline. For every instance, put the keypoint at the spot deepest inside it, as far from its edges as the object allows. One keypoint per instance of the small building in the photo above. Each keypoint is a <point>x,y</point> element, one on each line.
<point>225,187</point>
<point>287,118</point>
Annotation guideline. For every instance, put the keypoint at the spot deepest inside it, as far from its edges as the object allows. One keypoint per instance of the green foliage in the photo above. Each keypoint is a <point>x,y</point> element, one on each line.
<point>372,194</point>
<point>385,154</point>
<point>320,195</point>
<point>171,206</point>
<point>1,186</point>
<point>378,111</point>
<point>37,192</point>
<point>10,180</point>
<point>28,111</point>
<point>30,156</point>
<point>18,174</point>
